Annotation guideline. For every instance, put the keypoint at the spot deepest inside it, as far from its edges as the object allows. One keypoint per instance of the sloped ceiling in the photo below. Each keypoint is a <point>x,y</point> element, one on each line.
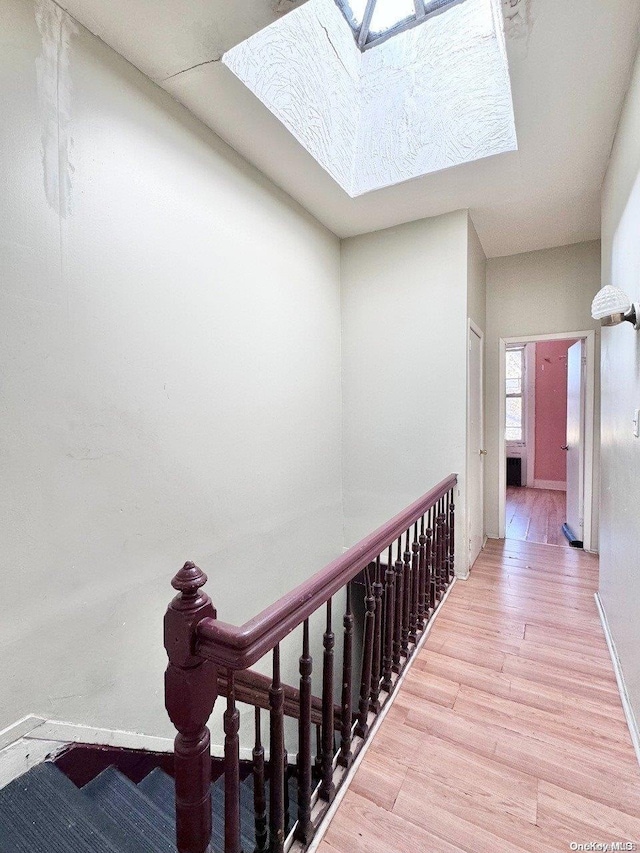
<point>569,61</point>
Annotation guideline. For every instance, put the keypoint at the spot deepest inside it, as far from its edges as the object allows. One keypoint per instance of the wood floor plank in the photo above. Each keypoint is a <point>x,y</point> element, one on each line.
<point>600,745</point>
<point>508,732</point>
<point>464,833</point>
<point>536,515</point>
<point>430,688</point>
<point>362,827</point>
<point>379,781</point>
<point>501,826</point>
<point>572,816</point>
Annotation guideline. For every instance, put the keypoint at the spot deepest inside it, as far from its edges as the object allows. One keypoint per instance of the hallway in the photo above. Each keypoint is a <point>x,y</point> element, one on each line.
<point>508,733</point>
<point>535,515</point>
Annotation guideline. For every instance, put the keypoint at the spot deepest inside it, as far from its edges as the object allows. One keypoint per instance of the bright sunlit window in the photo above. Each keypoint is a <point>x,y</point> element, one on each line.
<point>514,391</point>
<point>375,20</point>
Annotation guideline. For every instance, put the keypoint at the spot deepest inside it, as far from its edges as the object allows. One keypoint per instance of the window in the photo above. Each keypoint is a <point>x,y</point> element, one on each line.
<point>373,21</point>
<point>514,391</point>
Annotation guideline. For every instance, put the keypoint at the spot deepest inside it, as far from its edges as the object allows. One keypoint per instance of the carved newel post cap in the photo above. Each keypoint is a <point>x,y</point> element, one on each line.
<point>189,579</point>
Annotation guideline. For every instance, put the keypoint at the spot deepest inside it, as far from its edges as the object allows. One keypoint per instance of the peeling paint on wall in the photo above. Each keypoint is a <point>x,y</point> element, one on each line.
<point>517,19</point>
<point>281,7</point>
<point>54,94</point>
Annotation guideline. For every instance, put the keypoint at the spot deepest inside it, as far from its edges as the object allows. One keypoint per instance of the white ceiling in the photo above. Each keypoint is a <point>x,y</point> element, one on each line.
<point>569,72</point>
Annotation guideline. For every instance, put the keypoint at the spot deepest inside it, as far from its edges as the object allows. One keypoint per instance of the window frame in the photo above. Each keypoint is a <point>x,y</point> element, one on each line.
<point>510,442</point>
<point>423,9</point>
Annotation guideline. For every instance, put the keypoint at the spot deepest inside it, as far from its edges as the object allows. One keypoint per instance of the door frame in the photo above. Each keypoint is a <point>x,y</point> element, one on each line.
<point>589,338</point>
<point>474,329</point>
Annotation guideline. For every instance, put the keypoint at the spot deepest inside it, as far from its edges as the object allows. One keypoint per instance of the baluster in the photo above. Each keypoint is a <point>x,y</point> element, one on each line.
<point>276,757</point>
<point>399,602</point>
<point>422,605</point>
<point>345,756</point>
<point>285,775</point>
<point>415,581</point>
<point>303,829</point>
<point>445,561</point>
<point>436,551</point>
<point>318,761</point>
<point>441,545</point>
<point>259,798</point>
<point>327,787</point>
<point>389,602</point>
<point>376,663</point>
<point>431,569</point>
<point>231,721</point>
<point>406,606</point>
<point>362,728</point>
<point>452,539</point>
<point>191,689</point>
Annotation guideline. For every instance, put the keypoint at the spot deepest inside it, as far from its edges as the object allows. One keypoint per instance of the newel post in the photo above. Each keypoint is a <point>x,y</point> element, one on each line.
<point>191,689</point>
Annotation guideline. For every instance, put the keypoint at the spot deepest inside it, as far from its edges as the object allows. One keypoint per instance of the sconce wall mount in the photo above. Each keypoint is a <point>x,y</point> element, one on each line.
<point>612,307</point>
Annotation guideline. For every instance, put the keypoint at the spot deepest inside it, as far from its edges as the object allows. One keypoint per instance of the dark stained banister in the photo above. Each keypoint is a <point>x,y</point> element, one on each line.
<point>241,647</point>
<point>209,658</point>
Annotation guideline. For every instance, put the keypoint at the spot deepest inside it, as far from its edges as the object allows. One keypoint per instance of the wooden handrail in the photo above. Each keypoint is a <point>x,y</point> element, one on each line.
<point>241,647</point>
<point>407,567</point>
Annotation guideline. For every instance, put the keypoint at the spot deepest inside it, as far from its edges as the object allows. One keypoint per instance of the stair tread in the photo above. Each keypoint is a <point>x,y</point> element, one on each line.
<point>43,812</point>
<point>125,802</point>
<point>159,787</point>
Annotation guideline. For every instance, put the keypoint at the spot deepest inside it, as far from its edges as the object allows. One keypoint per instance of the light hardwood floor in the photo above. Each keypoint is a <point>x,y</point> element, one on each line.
<point>536,515</point>
<point>508,733</point>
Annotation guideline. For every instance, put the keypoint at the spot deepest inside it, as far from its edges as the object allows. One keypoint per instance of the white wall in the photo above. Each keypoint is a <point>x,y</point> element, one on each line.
<point>477,312</point>
<point>620,486</point>
<point>404,319</point>
<point>476,279</point>
<point>170,342</point>
<point>535,293</point>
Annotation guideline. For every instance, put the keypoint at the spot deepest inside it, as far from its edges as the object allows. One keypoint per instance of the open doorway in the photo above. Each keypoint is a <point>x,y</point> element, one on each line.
<point>546,442</point>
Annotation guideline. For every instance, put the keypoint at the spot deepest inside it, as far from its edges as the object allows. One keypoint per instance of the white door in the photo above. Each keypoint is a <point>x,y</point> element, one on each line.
<point>475,449</point>
<point>575,439</point>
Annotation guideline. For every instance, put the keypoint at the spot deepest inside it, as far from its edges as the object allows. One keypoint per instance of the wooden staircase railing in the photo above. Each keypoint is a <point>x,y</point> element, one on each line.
<point>252,688</point>
<point>408,565</point>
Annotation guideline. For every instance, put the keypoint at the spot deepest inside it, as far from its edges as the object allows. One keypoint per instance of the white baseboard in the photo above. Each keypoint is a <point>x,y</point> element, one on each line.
<point>632,723</point>
<point>19,729</point>
<point>554,485</point>
<point>33,739</point>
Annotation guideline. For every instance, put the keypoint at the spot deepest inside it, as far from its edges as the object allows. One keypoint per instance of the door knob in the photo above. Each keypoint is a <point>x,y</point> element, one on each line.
<point>483,453</point>
<point>564,447</point>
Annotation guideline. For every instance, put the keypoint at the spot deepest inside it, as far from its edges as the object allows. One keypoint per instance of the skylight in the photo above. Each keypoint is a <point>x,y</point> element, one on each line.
<point>430,98</point>
<point>374,21</point>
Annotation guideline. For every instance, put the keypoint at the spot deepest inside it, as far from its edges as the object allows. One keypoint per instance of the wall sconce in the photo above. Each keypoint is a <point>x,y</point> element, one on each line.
<point>612,306</point>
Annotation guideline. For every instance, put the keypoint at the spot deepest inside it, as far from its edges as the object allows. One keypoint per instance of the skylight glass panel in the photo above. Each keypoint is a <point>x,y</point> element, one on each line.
<point>373,21</point>
<point>387,14</point>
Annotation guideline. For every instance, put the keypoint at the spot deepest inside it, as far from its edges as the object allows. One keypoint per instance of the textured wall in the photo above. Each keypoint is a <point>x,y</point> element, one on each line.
<point>306,69</point>
<point>433,97</point>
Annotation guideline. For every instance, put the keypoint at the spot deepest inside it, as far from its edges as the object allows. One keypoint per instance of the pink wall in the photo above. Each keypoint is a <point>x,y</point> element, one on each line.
<point>551,410</point>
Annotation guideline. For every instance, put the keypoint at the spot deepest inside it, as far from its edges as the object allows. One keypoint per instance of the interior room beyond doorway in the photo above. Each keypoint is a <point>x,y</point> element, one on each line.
<point>544,437</point>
